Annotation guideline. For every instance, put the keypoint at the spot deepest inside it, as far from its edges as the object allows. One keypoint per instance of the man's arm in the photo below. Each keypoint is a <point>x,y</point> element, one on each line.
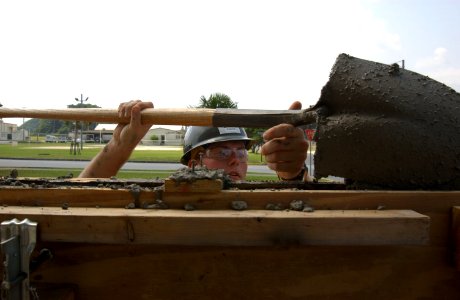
<point>285,149</point>
<point>125,138</point>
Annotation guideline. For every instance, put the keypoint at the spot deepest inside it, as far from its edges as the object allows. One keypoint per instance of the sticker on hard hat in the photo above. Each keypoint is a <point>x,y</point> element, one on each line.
<point>227,130</point>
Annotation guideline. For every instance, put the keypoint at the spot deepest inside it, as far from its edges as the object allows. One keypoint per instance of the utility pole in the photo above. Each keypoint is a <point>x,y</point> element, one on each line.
<point>23,135</point>
<point>76,122</point>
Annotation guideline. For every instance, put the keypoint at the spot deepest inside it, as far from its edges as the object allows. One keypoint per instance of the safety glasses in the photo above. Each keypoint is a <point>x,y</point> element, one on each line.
<point>224,153</point>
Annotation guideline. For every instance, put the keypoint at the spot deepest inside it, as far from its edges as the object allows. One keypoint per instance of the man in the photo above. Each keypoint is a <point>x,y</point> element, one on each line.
<point>285,147</point>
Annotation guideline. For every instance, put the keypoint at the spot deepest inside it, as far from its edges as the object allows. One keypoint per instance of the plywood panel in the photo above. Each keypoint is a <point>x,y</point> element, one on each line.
<point>280,272</point>
<point>226,227</point>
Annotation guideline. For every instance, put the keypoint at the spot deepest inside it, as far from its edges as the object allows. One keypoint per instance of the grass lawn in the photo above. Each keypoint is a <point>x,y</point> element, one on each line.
<point>62,151</point>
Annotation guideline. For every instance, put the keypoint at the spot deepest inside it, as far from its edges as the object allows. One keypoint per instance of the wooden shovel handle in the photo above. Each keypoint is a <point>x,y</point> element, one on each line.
<point>200,117</point>
<point>171,116</point>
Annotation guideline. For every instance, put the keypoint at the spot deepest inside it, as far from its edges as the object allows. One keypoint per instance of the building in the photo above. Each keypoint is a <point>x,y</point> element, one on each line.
<point>157,135</point>
<point>164,136</point>
<point>10,132</point>
<point>101,134</point>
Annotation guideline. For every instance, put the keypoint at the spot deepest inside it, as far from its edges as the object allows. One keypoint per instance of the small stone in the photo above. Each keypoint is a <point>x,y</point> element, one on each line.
<point>162,204</point>
<point>65,206</point>
<point>14,173</point>
<point>239,205</point>
<point>189,207</point>
<point>296,205</point>
<point>274,206</point>
<point>130,205</point>
<point>307,208</point>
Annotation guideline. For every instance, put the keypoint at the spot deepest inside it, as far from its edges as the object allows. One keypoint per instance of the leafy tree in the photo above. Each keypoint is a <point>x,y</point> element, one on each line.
<point>43,126</point>
<point>85,125</point>
<point>217,100</point>
<point>82,105</point>
<point>256,135</point>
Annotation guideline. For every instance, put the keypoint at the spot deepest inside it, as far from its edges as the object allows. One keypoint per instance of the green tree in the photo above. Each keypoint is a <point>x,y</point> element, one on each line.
<point>44,126</point>
<point>217,100</point>
<point>256,135</point>
<point>85,125</point>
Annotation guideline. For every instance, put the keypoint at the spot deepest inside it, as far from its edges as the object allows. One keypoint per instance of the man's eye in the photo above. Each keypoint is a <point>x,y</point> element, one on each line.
<point>225,153</point>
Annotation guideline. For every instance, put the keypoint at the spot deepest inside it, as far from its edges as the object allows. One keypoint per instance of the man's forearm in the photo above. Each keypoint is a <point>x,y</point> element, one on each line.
<point>106,163</point>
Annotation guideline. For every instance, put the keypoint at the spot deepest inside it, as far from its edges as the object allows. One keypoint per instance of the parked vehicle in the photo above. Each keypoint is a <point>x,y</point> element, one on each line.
<point>63,139</point>
<point>51,139</point>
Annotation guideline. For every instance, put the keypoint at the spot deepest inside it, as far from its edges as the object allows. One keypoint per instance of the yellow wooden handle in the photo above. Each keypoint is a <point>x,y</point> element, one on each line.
<point>168,116</point>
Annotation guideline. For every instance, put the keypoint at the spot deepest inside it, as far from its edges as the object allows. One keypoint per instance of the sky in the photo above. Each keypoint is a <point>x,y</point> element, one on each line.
<point>263,54</point>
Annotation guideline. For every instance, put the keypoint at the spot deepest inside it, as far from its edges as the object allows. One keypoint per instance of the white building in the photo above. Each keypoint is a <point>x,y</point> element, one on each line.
<point>163,135</point>
<point>10,132</point>
<point>168,136</point>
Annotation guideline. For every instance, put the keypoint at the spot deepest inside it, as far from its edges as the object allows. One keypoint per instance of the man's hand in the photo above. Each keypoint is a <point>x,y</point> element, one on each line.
<point>129,135</point>
<point>125,138</point>
<point>285,148</point>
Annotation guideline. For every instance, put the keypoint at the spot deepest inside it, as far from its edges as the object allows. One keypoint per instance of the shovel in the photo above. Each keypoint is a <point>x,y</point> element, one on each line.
<point>382,125</point>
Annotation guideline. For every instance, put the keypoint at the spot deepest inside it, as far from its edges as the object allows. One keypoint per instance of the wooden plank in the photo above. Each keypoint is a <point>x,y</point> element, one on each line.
<point>421,201</point>
<point>229,228</point>
<point>435,204</point>
<point>456,234</point>
<point>73,196</point>
<point>273,273</point>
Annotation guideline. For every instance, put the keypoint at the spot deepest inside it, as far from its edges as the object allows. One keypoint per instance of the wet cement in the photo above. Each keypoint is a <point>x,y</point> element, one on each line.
<point>385,126</point>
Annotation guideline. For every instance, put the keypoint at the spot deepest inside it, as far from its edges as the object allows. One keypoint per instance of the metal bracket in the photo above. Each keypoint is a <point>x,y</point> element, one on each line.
<point>18,239</point>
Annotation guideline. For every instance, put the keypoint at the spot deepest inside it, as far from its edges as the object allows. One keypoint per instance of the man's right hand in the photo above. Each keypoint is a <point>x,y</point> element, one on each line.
<point>125,138</point>
<point>129,135</point>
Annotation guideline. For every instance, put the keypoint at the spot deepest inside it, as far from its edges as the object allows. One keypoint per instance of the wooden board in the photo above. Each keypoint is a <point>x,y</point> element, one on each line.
<point>285,268</point>
<point>272,273</point>
<point>225,227</point>
<point>420,201</point>
<point>456,234</point>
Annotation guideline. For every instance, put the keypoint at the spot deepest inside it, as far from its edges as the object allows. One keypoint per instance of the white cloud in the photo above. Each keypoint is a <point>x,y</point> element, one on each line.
<point>449,76</point>
<point>437,59</point>
<point>438,67</point>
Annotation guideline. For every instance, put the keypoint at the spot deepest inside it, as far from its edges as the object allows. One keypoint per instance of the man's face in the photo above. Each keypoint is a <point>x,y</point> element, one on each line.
<point>230,156</point>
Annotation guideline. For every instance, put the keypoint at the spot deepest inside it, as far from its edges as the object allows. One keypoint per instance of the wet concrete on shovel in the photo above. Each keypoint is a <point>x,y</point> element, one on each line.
<point>384,127</point>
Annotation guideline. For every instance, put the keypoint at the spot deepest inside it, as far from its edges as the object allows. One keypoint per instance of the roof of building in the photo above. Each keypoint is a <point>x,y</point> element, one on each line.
<point>113,126</point>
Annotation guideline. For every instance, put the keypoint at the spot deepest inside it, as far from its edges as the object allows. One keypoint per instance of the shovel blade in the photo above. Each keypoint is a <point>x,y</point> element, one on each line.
<point>382,125</point>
